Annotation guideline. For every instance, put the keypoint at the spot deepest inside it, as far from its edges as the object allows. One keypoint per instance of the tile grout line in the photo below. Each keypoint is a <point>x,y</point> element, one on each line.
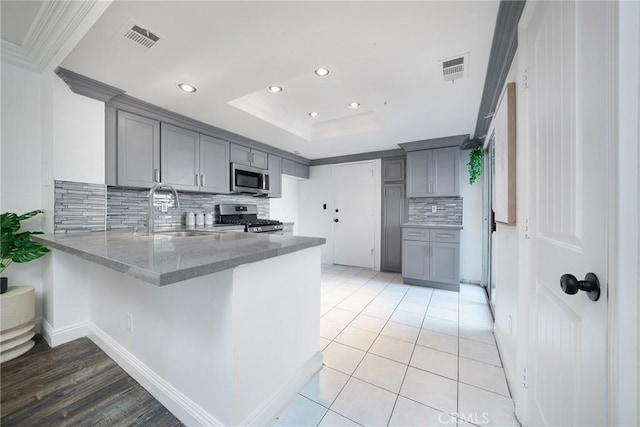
<point>408,363</point>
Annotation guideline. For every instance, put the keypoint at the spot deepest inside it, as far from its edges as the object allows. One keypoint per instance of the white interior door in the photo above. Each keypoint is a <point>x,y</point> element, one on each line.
<point>353,229</point>
<point>565,55</point>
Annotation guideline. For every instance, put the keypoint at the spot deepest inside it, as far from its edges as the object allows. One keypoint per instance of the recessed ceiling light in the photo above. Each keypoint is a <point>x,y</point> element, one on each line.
<point>321,72</point>
<point>313,114</point>
<point>275,89</point>
<point>187,87</point>
<point>354,105</point>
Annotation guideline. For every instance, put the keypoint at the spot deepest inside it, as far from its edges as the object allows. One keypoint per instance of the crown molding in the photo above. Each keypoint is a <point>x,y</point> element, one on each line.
<point>88,87</point>
<point>54,24</point>
<point>425,144</point>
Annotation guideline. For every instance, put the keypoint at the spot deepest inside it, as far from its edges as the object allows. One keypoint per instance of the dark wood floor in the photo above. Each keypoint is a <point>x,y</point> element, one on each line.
<point>75,384</point>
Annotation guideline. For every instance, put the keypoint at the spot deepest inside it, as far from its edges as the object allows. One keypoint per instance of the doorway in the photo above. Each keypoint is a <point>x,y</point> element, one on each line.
<point>489,225</point>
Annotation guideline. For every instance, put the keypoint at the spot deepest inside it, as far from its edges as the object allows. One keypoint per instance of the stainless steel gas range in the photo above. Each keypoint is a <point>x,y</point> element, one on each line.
<point>247,215</point>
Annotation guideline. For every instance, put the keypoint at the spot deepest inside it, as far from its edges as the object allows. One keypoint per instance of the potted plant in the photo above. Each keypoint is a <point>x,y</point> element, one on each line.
<point>17,246</point>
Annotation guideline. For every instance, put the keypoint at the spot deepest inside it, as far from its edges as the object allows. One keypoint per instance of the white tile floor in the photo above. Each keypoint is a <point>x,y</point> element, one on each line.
<point>400,355</point>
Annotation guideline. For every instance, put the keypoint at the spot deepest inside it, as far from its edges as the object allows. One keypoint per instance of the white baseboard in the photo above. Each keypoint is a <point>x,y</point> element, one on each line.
<point>265,414</point>
<point>56,337</point>
<point>186,410</point>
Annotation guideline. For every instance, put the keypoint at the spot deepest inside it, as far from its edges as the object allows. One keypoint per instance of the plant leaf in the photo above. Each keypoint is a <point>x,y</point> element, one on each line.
<point>30,214</point>
<point>9,222</point>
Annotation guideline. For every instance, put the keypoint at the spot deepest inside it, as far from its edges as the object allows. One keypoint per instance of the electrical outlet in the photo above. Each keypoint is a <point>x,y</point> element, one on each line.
<point>129,323</point>
<point>164,207</point>
<point>434,209</point>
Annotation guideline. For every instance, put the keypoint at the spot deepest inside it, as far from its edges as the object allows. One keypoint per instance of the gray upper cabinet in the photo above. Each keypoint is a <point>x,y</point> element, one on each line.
<point>214,165</point>
<point>138,150</point>
<point>275,176</point>
<point>393,170</point>
<point>194,162</point>
<point>180,154</point>
<point>248,156</point>
<point>289,167</point>
<point>433,173</point>
<point>445,173</point>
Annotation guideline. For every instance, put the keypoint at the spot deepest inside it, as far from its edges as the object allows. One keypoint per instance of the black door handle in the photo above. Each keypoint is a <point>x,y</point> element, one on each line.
<point>591,285</point>
<point>336,220</point>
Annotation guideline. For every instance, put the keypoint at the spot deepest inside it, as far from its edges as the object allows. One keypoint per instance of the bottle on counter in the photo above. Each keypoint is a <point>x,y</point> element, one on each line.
<point>208,219</point>
<point>190,219</point>
<point>199,219</point>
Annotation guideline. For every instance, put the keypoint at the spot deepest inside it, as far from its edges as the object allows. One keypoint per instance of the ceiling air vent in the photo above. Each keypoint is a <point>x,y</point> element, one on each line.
<point>455,68</point>
<point>134,34</point>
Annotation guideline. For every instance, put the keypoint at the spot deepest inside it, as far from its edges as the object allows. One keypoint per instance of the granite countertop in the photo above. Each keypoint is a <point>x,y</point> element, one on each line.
<point>432,225</point>
<point>163,259</point>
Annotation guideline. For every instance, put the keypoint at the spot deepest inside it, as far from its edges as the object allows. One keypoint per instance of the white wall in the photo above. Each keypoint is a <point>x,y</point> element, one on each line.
<point>472,216</point>
<point>286,207</point>
<point>21,153</point>
<point>506,272</point>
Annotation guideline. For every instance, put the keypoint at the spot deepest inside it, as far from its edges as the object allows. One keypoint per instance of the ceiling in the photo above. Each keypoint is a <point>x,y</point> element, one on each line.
<point>17,17</point>
<point>385,55</point>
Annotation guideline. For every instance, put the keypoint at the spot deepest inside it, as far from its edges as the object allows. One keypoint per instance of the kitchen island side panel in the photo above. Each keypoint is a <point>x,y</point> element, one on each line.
<point>227,348</point>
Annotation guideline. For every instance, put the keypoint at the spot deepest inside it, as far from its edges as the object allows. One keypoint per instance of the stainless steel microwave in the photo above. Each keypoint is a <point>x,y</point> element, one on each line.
<point>247,179</point>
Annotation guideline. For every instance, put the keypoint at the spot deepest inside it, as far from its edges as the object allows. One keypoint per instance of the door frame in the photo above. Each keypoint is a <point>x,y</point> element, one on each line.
<point>615,230</point>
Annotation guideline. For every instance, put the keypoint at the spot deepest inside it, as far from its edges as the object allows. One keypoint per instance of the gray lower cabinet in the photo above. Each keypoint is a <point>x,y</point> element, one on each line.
<point>433,173</point>
<point>275,176</point>
<point>431,257</point>
<point>138,150</point>
<point>289,167</point>
<point>248,156</point>
<point>194,162</point>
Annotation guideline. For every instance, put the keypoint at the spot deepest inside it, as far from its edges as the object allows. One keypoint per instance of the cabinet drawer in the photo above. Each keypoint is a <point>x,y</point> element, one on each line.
<point>421,234</point>
<point>444,236</point>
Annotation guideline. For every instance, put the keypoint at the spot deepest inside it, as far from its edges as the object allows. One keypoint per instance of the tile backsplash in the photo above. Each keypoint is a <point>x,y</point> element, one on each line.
<point>79,206</point>
<point>449,210</point>
<point>127,207</point>
<point>95,207</point>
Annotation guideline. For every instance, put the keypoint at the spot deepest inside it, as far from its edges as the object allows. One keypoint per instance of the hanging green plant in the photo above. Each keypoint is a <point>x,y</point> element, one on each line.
<point>475,164</point>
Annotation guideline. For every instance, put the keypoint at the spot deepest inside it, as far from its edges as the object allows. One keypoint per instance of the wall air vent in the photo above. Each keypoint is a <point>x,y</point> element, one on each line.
<point>455,68</point>
<point>136,35</point>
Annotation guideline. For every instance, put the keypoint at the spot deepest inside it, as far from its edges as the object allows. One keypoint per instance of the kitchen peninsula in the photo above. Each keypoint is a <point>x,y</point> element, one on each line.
<point>221,328</point>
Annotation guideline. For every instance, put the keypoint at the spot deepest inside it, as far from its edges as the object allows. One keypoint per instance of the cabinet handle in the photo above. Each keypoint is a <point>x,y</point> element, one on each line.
<point>156,175</point>
<point>197,180</point>
<point>250,157</point>
<point>202,180</point>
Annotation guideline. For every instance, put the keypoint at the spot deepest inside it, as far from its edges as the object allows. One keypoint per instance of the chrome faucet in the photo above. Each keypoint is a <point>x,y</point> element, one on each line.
<point>152,192</point>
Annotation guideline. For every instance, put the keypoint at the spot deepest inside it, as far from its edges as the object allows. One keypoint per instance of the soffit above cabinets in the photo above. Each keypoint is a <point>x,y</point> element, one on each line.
<point>385,55</point>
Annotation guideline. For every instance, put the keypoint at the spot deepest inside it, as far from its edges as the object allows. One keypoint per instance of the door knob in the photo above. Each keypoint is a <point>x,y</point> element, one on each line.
<point>336,220</point>
<point>591,285</point>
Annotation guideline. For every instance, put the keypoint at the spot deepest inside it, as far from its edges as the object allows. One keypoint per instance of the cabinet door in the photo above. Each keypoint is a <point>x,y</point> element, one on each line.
<point>415,259</point>
<point>240,154</point>
<point>259,159</point>
<point>444,263</point>
<point>445,172</point>
<point>275,176</point>
<point>180,156</point>
<point>418,171</point>
<point>393,170</point>
<point>214,165</point>
<point>393,203</point>
<point>138,150</point>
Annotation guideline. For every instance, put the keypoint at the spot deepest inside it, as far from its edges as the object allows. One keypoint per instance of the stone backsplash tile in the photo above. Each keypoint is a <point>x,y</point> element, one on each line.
<point>79,206</point>
<point>127,207</point>
<point>449,210</point>
<point>95,207</point>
